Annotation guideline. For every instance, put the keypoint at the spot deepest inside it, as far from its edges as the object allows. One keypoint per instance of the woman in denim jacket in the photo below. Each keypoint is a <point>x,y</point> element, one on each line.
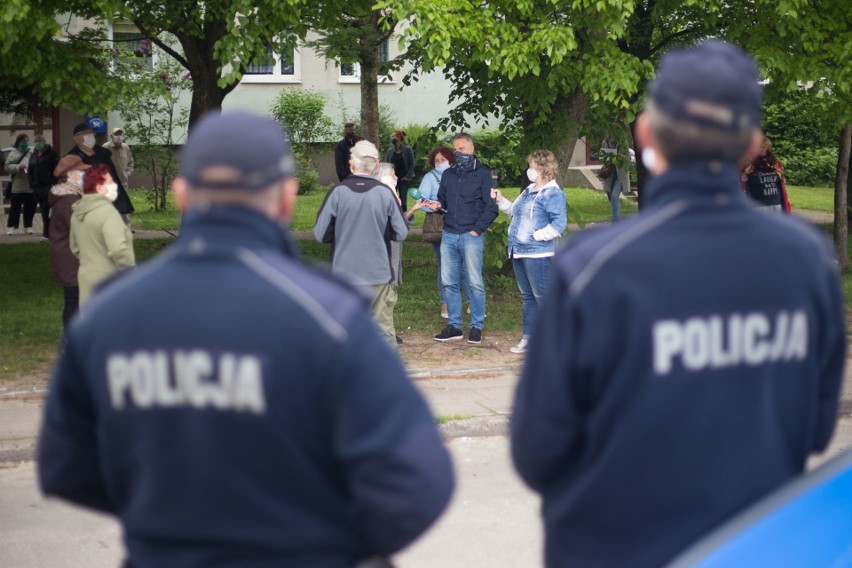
<point>538,219</point>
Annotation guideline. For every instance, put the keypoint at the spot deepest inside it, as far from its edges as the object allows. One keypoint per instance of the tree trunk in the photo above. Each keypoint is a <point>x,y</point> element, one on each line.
<point>370,96</point>
<point>573,108</point>
<point>642,173</point>
<point>204,69</point>
<point>841,189</point>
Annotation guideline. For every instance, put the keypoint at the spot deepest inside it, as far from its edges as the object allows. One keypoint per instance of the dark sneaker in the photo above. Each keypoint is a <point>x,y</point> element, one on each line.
<point>475,335</point>
<point>398,340</point>
<point>449,333</point>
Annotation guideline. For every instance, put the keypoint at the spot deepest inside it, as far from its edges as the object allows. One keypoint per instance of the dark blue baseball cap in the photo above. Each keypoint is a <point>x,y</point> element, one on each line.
<point>714,85</point>
<point>237,150</point>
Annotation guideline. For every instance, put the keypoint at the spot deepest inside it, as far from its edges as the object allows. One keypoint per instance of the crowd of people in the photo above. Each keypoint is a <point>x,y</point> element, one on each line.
<point>678,365</point>
<point>84,207</point>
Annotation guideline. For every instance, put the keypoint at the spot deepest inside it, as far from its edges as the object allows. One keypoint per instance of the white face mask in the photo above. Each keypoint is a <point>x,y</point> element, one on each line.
<point>649,158</point>
<point>442,166</point>
<point>89,140</point>
<point>111,191</point>
<point>532,174</point>
<point>117,139</point>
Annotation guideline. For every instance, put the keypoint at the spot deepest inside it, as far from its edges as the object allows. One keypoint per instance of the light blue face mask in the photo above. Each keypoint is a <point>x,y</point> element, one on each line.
<point>442,167</point>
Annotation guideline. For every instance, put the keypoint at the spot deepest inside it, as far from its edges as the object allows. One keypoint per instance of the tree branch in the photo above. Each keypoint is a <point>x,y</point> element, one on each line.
<point>665,41</point>
<point>161,44</point>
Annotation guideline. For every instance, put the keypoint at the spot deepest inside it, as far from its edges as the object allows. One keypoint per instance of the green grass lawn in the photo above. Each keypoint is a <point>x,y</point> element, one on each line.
<point>584,206</point>
<point>31,305</point>
<point>814,198</point>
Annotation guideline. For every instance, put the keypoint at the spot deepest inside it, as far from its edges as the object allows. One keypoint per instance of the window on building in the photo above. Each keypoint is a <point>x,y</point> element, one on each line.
<point>272,67</point>
<point>351,72</point>
<point>131,42</point>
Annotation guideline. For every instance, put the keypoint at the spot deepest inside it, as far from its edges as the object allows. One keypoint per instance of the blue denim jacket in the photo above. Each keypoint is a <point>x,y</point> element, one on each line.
<point>534,210</point>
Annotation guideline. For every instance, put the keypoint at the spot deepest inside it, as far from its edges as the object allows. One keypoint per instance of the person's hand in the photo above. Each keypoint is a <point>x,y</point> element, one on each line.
<point>419,204</point>
<point>473,233</point>
<point>496,195</point>
<point>433,205</point>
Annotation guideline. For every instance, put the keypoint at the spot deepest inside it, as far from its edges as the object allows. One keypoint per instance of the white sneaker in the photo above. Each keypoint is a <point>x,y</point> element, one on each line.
<point>28,230</point>
<point>11,231</point>
<point>521,347</point>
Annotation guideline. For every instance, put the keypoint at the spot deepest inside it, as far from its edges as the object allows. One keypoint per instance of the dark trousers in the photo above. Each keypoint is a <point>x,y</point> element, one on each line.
<point>25,201</point>
<point>43,207</point>
<point>72,304</point>
<point>402,189</point>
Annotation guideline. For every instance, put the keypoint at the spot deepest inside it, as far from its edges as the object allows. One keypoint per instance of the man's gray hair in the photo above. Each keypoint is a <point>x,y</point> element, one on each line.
<point>681,141</point>
<point>463,136</point>
<point>365,166</point>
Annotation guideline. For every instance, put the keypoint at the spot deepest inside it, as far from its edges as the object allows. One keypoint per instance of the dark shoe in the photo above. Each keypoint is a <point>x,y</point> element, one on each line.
<point>475,335</point>
<point>398,340</point>
<point>449,333</point>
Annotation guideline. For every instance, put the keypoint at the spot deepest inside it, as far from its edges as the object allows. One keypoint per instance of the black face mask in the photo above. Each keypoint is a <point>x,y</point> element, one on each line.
<point>350,136</point>
<point>463,160</point>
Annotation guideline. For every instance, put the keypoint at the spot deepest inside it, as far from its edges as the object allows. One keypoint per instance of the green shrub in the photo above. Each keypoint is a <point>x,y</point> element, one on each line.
<point>813,167</point>
<point>307,175</point>
<point>499,151</point>
<point>302,113</point>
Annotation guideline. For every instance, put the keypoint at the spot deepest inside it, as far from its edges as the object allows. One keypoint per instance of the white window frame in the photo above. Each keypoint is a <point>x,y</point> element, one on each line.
<point>276,76</point>
<point>355,77</point>
<point>153,57</point>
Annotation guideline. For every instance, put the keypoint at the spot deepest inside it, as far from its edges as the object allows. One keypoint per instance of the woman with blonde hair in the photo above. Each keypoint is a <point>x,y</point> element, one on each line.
<point>538,219</point>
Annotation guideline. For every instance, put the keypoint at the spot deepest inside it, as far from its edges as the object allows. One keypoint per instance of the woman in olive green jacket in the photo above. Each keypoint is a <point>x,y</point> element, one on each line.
<point>99,238</point>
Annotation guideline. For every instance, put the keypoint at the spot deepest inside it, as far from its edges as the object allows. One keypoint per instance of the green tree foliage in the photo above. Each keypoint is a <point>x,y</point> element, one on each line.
<point>153,120</point>
<point>351,31</point>
<point>804,136</point>
<point>550,68</point>
<point>214,41</point>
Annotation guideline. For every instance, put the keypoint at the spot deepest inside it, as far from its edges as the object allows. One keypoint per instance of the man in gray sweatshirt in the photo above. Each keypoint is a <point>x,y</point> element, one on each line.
<point>360,217</point>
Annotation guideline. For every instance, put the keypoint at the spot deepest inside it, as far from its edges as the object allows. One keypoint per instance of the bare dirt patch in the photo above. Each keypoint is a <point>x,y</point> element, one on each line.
<point>422,353</point>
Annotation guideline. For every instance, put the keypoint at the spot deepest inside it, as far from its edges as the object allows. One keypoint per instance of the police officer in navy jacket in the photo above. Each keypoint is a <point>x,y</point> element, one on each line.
<point>686,362</point>
<point>241,409</point>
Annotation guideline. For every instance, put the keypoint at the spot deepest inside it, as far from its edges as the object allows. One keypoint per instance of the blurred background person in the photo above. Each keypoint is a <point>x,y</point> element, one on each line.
<point>440,159</point>
<point>618,179</point>
<point>763,180</point>
<point>384,172</point>
<point>402,158</point>
<point>122,156</point>
<point>40,175</point>
<point>538,219</point>
<point>64,265</point>
<point>21,194</point>
<point>91,154</point>
<point>342,150</point>
<point>99,238</point>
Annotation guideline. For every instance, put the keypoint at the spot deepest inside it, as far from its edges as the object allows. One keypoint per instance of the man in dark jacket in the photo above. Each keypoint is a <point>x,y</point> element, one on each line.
<point>43,160</point>
<point>685,362</point>
<point>342,150</point>
<point>252,415</point>
<point>91,154</point>
<point>465,193</point>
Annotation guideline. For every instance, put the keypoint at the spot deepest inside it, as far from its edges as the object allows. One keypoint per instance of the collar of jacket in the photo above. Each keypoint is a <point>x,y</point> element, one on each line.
<point>532,189</point>
<point>696,180</point>
<point>230,227</point>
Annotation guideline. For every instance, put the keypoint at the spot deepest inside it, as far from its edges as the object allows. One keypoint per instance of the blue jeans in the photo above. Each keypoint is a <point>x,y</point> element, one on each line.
<point>615,197</point>
<point>461,266</point>
<point>436,248</point>
<point>532,275</point>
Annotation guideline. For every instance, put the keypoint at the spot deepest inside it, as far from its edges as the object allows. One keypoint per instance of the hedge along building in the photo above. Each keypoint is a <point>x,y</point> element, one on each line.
<point>423,102</point>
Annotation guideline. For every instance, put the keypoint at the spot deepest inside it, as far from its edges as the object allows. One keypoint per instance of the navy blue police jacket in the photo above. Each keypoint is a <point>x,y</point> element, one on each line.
<point>234,407</point>
<point>684,363</point>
